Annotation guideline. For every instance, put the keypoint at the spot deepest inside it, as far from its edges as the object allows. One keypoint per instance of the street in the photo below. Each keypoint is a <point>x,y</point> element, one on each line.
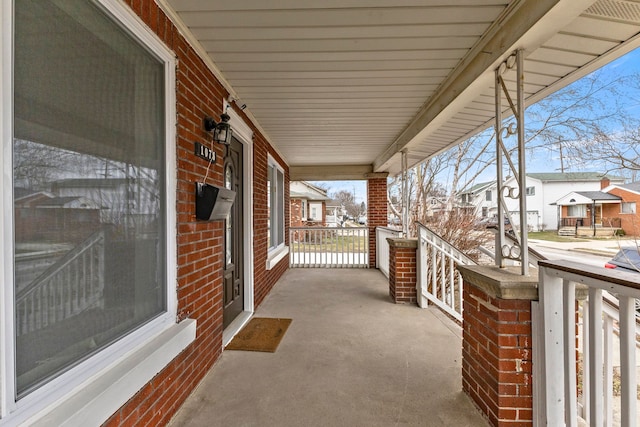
<point>571,255</point>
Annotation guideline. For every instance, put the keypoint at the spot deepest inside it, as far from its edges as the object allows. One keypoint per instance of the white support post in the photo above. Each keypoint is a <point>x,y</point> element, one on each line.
<point>405,195</point>
<point>550,296</point>
<point>506,250</point>
<point>498,125</point>
<point>524,247</point>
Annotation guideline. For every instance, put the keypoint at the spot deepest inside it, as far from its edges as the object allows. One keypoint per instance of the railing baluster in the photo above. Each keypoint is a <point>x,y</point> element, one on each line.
<point>570,384</point>
<point>586,360</point>
<point>595,356</point>
<point>329,247</point>
<point>443,275</point>
<point>628,375</point>
<point>608,370</point>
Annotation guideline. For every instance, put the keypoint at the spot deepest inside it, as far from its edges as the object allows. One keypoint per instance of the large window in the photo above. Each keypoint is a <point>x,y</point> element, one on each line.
<point>628,208</point>
<point>275,184</point>
<point>577,211</point>
<point>89,186</point>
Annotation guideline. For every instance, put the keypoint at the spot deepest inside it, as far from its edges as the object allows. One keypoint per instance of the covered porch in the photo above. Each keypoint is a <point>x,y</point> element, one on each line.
<point>350,357</point>
<point>312,91</point>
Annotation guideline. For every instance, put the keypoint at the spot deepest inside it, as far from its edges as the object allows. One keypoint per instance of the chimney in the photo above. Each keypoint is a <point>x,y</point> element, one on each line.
<point>604,183</point>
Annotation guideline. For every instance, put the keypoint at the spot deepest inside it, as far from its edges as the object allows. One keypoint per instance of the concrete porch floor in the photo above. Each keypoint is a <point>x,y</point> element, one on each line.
<point>350,358</point>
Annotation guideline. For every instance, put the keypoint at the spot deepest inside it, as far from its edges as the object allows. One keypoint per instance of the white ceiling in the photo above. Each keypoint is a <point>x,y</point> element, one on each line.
<point>351,83</point>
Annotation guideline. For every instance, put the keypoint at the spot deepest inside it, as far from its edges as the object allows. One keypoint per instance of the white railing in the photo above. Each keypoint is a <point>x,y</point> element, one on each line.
<point>382,247</point>
<point>70,286</point>
<point>329,247</point>
<point>439,281</point>
<point>556,399</point>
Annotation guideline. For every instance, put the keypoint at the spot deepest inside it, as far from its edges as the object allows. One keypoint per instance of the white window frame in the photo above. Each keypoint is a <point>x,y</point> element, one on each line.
<point>278,252</point>
<point>89,393</point>
<point>632,211</point>
<point>573,208</point>
<point>530,191</point>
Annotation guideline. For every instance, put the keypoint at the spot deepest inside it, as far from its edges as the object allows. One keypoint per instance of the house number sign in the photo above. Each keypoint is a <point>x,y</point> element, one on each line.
<point>204,152</point>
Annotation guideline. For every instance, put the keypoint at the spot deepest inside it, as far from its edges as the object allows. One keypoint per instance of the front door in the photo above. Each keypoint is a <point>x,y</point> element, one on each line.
<point>234,236</point>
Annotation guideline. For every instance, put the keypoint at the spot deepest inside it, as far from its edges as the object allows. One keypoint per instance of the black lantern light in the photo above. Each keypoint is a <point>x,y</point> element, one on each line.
<point>221,131</point>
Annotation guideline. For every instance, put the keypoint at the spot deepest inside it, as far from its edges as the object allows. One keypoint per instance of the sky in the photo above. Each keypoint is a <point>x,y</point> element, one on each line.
<point>540,161</point>
<point>359,188</point>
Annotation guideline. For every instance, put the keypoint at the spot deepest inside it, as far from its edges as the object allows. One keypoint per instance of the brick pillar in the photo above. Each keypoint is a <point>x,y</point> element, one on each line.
<point>497,341</point>
<point>403,270</point>
<point>376,210</point>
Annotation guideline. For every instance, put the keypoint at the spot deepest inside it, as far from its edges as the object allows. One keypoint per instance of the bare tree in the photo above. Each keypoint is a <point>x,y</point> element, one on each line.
<point>585,124</point>
<point>348,200</point>
<point>588,124</point>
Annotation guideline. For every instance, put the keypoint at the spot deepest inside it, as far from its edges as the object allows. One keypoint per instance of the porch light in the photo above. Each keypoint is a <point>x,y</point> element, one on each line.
<point>221,130</point>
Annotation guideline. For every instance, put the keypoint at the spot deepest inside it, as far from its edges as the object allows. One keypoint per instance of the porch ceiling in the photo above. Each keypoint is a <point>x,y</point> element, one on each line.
<point>352,83</point>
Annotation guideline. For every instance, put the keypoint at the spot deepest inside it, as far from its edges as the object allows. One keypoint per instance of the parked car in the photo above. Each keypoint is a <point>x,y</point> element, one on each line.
<point>627,259</point>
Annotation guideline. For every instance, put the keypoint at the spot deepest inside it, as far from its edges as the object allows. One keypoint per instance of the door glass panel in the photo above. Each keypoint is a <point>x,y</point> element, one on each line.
<point>228,183</point>
<point>88,174</point>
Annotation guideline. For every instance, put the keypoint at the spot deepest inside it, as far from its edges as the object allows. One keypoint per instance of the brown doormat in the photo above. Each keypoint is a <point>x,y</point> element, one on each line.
<point>260,334</point>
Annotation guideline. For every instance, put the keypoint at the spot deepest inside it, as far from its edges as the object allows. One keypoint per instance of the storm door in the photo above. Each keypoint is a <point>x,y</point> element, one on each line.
<point>234,236</point>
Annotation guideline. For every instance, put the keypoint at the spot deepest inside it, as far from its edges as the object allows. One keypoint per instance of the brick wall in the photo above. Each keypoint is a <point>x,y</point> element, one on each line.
<point>403,270</point>
<point>199,243</point>
<point>496,357</point>
<point>376,212</point>
<point>265,279</point>
<point>630,222</point>
<point>296,213</point>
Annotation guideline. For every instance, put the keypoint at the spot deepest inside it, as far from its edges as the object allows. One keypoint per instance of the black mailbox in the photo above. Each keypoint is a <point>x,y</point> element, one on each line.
<point>213,202</point>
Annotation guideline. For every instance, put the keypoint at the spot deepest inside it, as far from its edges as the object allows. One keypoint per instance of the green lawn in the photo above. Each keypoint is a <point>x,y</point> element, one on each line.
<point>551,236</point>
<point>332,244</point>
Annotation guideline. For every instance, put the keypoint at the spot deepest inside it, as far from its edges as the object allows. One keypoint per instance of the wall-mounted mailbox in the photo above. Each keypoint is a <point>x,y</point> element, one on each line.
<point>213,202</point>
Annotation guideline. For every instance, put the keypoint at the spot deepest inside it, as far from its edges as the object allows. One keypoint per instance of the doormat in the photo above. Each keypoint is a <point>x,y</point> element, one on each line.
<point>260,334</point>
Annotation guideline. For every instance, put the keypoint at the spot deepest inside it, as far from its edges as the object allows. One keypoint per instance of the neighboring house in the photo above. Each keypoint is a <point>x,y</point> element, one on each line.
<point>482,199</point>
<point>435,206</point>
<point>543,191</point>
<point>308,204</point>
<point>628,208</point>
<point>132,200</point>
<point>588,213</point>
<point>42,215</point>
<point>335,213</point>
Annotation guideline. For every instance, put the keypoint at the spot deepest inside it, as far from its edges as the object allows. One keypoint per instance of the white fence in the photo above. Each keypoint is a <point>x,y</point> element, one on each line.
<point>556,398</point>
<point>439,282</point>
<point>382,247</point>
<point>329,247</point>
<point>73,284</point>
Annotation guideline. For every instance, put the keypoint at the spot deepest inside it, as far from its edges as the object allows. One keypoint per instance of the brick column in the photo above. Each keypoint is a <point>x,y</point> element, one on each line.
<point>376,210</point>
<point>403,270</point>
<point>496,343</point>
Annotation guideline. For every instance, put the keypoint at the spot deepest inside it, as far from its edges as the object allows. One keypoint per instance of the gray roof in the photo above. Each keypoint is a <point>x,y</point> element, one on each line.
<point>478,187</point>
<point>573,176</point>
<point>598,195</point>
<point>633,186</point>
